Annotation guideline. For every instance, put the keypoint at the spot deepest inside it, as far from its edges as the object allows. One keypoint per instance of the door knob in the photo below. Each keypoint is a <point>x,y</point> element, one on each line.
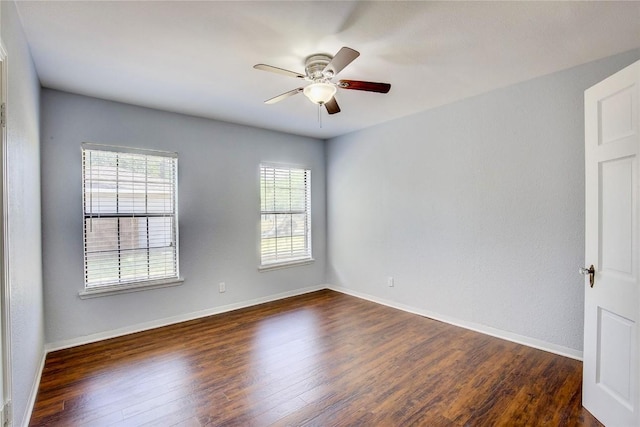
<point>591,271</point>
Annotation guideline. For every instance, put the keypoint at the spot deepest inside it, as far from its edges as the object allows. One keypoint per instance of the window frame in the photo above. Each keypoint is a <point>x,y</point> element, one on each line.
<point>291,261</point>
<point>140,283</point>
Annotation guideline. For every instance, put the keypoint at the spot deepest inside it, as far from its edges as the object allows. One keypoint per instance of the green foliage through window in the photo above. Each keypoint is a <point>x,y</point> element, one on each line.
<point>130,225</point>
<point>285,205</point>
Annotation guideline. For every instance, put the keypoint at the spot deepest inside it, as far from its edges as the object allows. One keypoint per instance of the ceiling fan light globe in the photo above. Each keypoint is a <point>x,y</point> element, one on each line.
<point>320,93</point>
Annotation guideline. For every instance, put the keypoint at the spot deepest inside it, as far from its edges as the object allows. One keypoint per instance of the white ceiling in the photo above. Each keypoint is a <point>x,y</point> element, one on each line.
<point>197,57</point>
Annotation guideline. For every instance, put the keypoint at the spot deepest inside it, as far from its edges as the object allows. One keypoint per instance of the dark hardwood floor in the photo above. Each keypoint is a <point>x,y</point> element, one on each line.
<point>321,359</point>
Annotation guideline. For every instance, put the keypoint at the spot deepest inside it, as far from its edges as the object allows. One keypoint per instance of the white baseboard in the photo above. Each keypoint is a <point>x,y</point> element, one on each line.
<point>87,339</point>
<point>34,393</point>
<point>487,330</point>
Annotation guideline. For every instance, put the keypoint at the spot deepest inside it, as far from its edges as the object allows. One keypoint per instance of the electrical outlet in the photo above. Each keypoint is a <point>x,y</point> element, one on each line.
<point>222,287</point>
<point>390,282</point>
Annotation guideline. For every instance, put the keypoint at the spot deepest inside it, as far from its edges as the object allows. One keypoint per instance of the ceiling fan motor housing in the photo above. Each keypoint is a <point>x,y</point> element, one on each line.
<point>314,66</point>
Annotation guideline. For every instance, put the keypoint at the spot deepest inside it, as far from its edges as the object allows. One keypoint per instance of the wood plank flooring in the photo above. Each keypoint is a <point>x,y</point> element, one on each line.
<point>320,359</point>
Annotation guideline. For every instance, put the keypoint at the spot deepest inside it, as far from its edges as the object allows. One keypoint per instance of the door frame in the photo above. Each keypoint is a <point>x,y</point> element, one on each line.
<point>5,289</point>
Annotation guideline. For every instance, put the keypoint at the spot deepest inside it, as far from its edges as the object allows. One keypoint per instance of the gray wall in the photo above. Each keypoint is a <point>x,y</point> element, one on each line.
<point>475,208</point>
<point>23,155</point>
<point>218,212</point>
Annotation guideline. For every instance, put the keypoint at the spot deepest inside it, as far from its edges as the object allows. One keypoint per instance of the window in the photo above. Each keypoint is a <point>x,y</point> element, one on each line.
<point>285,208</point>
<point>130,217</point>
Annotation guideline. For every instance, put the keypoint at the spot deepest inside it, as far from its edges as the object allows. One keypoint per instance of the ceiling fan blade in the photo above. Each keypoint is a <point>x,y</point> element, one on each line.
<point>368,86</point>
<point>283,96</point>
<point>265,67</point>
<point>344,57</point>
<point>332,106</point>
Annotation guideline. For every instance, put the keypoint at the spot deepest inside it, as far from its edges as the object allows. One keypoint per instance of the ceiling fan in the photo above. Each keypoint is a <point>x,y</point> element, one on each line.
<point>320,69</point>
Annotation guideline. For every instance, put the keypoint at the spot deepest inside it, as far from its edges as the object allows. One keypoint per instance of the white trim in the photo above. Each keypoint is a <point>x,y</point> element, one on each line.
<point>59,345</point>
<point>483,329</point>
<point>288,262</point>
<point>34,392</point>
<point>137,157</point>
<point>286,165</point>
<point>5,288</point>
<point>105,291</point>
<point>285,264</point>
<point>128,150</point>
<point>476,327</point>
<point>487,330</point>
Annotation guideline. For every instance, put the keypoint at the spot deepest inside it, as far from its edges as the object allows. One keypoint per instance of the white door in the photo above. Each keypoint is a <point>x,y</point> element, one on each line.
<point>612,306</point>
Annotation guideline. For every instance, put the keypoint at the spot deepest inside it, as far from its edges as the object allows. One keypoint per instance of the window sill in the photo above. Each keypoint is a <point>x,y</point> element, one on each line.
<point>286,264</point>
<point>105,291</point>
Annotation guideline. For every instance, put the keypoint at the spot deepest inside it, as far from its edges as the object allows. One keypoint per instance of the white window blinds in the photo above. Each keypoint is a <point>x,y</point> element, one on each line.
<point>130,215</point>
<point>285,195</point>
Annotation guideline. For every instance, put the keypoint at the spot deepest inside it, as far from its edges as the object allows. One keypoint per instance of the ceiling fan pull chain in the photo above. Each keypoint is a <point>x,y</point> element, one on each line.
<point>319,116</point>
